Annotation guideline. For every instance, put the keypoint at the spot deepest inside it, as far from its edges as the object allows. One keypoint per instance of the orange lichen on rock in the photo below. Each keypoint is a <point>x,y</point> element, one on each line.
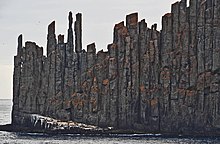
<point>124,31</point>
<point>70,83</point>
<point>84,85</point>
<point>181,91</point>
<point>119,25</point>
<point>67,103</point>
<point>142,88</point>
<point>154,102</point>
<point>74,94</point>
<point>94,89</point>
<point>132,19</point>
<point>105,82</point>
<point>79,103</point>
<point>190,93</point>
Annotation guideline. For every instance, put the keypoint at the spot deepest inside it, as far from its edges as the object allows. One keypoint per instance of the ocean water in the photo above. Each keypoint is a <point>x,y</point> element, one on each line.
<point>32,138</point>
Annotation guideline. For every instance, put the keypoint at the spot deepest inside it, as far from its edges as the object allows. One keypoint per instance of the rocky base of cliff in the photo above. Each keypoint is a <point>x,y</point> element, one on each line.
<point>103,132</point>
<point>80,130</point>
<point>34,123</point>
<point>38,123</point>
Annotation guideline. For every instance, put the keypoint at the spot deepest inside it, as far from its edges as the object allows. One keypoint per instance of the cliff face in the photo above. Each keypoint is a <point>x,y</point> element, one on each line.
<point>167,81</point>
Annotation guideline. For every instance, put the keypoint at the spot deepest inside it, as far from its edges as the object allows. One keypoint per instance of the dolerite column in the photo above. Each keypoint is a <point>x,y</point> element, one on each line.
<point>211,93</point>
<point>92,83</point>
<point>208,58</point>
<point>193,42</point>
<point>145,78</point>
<point>216,34</point>
<point>70,36</point>
<point>183,44</point>
<point>51,54</point>
<point>175,57</point>
<point>91,55</point>
<point>123,58</point>
<point>183,67</point>
<point>69,45</point>
<point>131,24</point>
<point>78,33</point>
<point>16,80</point>
<point>143,69</point>
<point>200,84</point>
<point>101,70</point>
<point>154,70</point>
<point>51,39</point>
<point>201,36</point>
<point>78,48</point>
<point>113,86</point>
<point>216,60</point>
<point>187,115</point>
<point>44,85</point>
<point>209,15</point>
<point>39,100</point>
<point>60,71</point>
<point>68,70</point>
<point>165,75</point>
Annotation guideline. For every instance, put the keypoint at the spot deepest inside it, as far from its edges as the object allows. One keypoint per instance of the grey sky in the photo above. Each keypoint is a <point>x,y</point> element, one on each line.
<point>31,18</point>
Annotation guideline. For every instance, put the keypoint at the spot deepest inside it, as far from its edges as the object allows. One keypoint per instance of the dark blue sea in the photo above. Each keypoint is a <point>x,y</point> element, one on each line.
<point>30,138</point>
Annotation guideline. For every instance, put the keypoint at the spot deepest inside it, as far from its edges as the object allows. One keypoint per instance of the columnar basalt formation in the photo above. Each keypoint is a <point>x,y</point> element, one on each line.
<point>164,81</point>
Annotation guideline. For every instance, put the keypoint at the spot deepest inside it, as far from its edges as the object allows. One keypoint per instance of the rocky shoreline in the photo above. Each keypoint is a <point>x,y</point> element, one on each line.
<point>104,132</point>
<point>34,123</point>
<point>12,128</point>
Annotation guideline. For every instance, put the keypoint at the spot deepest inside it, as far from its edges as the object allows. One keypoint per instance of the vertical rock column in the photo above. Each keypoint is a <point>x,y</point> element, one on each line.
<point>165,75</point>
<point>70,36</point>
<point>216,60</point>
<point>211,84</point>
<point>16,80</point>
<point>69,69</point>
<point>78,48</point>
<point>183,44</point>
<point>192,18</point>
<point>51,56</point>
<point>131,24</point>
<point>101,69</point>
<point>143,69</point>
<point>113,86</point>
<point>124,73</point>
<point>79,66</point>
<point>200,85</point>
<point>93,94</point>
<point>38,67</point>
<point>201,36</point>
<point>149,91</point>
<point>78,33</point>
<point>216,34</point>
<point>175,53</point>
<point>186,92</point>
<point>60,74</point>
<point>44,86</point>
<point>175,57</point>
<point>153,91</point>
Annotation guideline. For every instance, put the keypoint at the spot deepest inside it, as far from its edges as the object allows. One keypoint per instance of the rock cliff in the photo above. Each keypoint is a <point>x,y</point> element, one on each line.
<point>164,81</point>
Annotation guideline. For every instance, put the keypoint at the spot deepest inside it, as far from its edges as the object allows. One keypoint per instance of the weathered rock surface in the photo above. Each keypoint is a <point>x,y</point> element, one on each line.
<point>164,81</point>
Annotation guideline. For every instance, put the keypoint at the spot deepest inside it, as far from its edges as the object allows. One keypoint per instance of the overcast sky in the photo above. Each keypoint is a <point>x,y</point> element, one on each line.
<point>31,18</point>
